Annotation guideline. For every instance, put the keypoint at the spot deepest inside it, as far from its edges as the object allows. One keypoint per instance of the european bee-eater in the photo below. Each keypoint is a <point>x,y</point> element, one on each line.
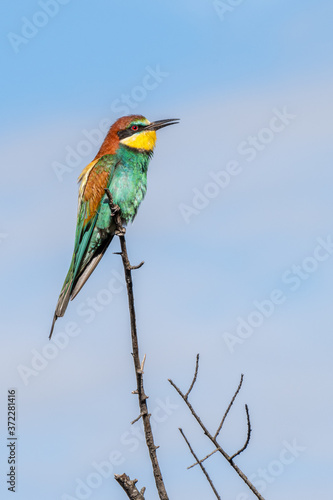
<point>121,166</point>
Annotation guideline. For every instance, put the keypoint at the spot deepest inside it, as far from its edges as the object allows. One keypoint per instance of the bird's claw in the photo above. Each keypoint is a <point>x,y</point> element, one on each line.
<point>115,210</point>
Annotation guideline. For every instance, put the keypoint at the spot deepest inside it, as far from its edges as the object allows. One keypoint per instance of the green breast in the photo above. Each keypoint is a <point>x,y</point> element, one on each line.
<point>129,181</point>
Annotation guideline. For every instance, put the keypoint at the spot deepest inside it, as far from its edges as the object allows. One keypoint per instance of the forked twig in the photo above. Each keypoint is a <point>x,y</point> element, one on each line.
<point>213,439</point>
<point>221,424</point>
<point>201,466</point>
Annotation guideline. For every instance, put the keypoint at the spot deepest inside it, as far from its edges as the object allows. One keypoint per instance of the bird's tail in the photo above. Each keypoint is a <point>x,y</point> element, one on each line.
<point>64,296</point>
<point>75,280</point>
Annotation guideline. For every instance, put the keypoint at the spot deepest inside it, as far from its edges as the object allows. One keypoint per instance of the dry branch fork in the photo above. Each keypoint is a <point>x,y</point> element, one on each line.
<point>213,438</point>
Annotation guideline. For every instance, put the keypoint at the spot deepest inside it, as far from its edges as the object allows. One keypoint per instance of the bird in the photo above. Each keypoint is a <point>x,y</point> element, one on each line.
<point>120,166</point>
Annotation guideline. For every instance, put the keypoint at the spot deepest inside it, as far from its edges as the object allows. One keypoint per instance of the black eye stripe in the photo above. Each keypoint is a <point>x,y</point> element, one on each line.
<point>122,134</point>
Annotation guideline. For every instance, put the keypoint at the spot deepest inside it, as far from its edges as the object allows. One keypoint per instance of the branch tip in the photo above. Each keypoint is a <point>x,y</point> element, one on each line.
<point>136,267</point>
<point>194,377</point>
<point>229,407</point>
<point>143,363</point>
<point>136,419</point>
<point>248,434</point>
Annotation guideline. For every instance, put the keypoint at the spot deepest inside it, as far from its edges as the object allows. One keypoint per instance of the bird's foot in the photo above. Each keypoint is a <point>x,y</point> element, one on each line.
<point>115,210</point>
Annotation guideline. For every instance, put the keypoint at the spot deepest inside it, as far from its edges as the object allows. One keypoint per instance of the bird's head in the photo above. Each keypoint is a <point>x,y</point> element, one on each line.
<point>135,132</point>
<point>139,133</point>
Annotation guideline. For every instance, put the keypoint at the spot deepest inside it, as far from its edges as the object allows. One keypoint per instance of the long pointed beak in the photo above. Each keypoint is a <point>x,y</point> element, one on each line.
<point>162,123</point>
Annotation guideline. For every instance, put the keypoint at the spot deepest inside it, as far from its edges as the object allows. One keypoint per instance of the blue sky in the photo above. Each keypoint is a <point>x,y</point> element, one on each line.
<point>266,231</point>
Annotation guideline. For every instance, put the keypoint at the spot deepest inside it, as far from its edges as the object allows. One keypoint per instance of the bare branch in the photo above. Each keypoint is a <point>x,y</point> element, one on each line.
<point>120,231</point>
<point>129,487</point>
<point>201,466</point>
<point>197,418</point>
<point>228,409</point>
<point>194,378</point>
<point>248,434</point>
<point>213,440</point>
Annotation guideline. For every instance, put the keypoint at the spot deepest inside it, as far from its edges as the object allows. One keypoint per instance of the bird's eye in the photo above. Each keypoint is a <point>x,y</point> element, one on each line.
<point>134,128</point>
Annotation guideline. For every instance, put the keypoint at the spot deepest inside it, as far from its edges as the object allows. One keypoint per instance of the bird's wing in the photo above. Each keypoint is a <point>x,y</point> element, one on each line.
<point>91,193</point>
<point>93,229</point>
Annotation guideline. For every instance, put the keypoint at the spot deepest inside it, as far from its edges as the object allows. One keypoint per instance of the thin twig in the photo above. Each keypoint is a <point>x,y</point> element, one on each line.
<point>136,419</point>
<point>194,378</point>
<point>138,266</point>
<point>203,459</point>
<point>143,364</point>
<point>120,231</point>
<point>201,466</point>
<point>213,440</point>
<point>129,487</point>
<point>248,434</point>
<point>228,409</point>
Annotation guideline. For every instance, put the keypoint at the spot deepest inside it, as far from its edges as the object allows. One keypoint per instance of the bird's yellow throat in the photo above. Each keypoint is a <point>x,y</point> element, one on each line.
<point>143,140</point>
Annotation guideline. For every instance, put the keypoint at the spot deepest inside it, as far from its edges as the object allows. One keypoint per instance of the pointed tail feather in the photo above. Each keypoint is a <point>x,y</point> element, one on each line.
<point>62,303</point>
<point>55,317</point>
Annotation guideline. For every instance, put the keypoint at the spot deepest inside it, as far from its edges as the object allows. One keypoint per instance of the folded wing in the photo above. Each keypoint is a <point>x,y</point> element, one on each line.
<point>94,229</point>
